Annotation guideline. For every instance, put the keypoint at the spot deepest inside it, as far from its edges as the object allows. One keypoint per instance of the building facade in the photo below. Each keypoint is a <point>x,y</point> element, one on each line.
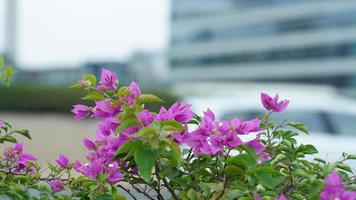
<point>269,40</point>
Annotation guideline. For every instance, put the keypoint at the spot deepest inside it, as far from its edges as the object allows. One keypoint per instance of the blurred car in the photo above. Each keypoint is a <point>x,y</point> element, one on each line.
<point>329,116</point>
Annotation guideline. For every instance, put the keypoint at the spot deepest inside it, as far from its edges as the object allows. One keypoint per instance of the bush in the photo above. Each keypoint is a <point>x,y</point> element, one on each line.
<point>190,157</point>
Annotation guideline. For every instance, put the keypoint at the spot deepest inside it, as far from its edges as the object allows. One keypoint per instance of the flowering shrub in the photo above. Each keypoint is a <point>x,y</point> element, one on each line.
<point>175,154</point>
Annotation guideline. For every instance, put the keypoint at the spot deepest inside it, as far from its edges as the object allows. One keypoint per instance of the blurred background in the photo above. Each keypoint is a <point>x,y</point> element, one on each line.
<point>211,53</point>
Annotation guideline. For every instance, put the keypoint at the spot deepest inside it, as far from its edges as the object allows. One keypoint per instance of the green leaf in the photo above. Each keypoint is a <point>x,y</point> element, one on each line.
<point>94,95</point>
<point>91,78</point>
<point>8,138</point>
<point>2,61</point>
<point>344,167</point>
<point>128,146</point>
<point>299,126</point>
<point>145,159</point>
<point>192,195</point>
<point>172,125</point>
<point>266,180</point>
<point>148,98</point>
<point>310,149</point>
<point>351,157</point>
<point>126,124</point>
<point>25,133</point>
<point>232,170</point>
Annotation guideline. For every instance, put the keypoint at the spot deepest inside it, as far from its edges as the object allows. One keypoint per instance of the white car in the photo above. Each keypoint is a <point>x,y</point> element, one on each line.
<point>330,117</point>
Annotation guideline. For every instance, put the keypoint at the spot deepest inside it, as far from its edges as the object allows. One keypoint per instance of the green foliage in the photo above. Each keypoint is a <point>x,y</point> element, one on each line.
<point>54,99</point>
<point>7,73</point>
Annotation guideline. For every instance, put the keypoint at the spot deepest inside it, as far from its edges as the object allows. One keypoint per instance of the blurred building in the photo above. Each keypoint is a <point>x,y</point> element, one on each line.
<point>149,69</point>
<point>122,70</point>
<point>264,40</point>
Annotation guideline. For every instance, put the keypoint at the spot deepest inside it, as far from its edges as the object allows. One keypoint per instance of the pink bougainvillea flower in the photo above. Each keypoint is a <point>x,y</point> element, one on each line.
<point>89,144</point>
<point>21,158</point>
<point>80,111</point>
<point>146,117</point>
<point>108,125</point>
<point>133,91</point>
<point>217,144</point>
<point>62,161</point>
<point>56,185</point>
<point>334,189</point>
<point>281,197</point>
<point>108,79</point>
<point>256,145</point>
<point>164,114</point>
<point>181,112</point>
<point>114,173</point>
<point>273,104</point>
<point>207,124</point>
<point>23,161</point>
<point>245,127</point>
<point>92,170</point>
<point>104,109</point>
<point>1,123</point>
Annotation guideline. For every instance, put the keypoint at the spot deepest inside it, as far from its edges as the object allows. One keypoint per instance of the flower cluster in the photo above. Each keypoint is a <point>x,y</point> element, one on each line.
<point>18,160</point>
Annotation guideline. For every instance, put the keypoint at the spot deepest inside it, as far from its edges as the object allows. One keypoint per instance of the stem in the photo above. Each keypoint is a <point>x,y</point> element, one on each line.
<point>127,191</point>
<point>166,184</point>
<point>141,192</point>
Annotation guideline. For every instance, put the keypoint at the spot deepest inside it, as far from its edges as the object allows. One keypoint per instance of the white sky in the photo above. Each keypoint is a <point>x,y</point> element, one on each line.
<point>69,32</point>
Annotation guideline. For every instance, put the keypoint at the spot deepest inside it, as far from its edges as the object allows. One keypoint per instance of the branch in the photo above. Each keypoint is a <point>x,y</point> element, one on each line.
<point>127,191</point>
<point>141,192</point>
<point>166,184</point>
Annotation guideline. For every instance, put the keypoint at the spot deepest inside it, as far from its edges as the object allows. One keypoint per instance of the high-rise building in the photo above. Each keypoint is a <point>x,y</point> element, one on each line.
<point>268,40</point>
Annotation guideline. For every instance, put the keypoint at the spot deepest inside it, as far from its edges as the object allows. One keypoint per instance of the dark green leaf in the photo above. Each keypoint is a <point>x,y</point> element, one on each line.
<point>299,126</point>
<point>8,138</point>
<point>25,133</point>
<point>145,159</point>
<point>148,98</point>
<point>172,125</point>
<point>94,95</point>
<point>91,78</point>
<point>128,146</point>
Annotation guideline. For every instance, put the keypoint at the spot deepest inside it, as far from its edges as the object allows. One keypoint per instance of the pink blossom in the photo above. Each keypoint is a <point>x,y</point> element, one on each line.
<point>92,170</point>
<point>89,144</point>
<point>108,125</point>
<point>146,117</point>
<point>114,173</point>
<point>21,158</point>
<point>181,112</point>
<point>281,197</point>
<point>164,114</point>
<point>245,127</point>
<point>56,185</point>
<point>108,79</point>
<point>80,111</point>
<point>273,104</point>
<point>334,189</point>
<point>133,91</point>
<point>1,123</point>
<point>103,109</point>
<point>256,145</point>
<point>62,161</point>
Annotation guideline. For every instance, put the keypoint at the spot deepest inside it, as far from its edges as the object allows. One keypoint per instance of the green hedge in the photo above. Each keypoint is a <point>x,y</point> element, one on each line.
<point>33,98</point>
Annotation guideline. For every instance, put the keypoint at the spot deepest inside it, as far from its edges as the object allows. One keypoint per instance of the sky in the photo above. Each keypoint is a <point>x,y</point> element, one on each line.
<point>71,32</point>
